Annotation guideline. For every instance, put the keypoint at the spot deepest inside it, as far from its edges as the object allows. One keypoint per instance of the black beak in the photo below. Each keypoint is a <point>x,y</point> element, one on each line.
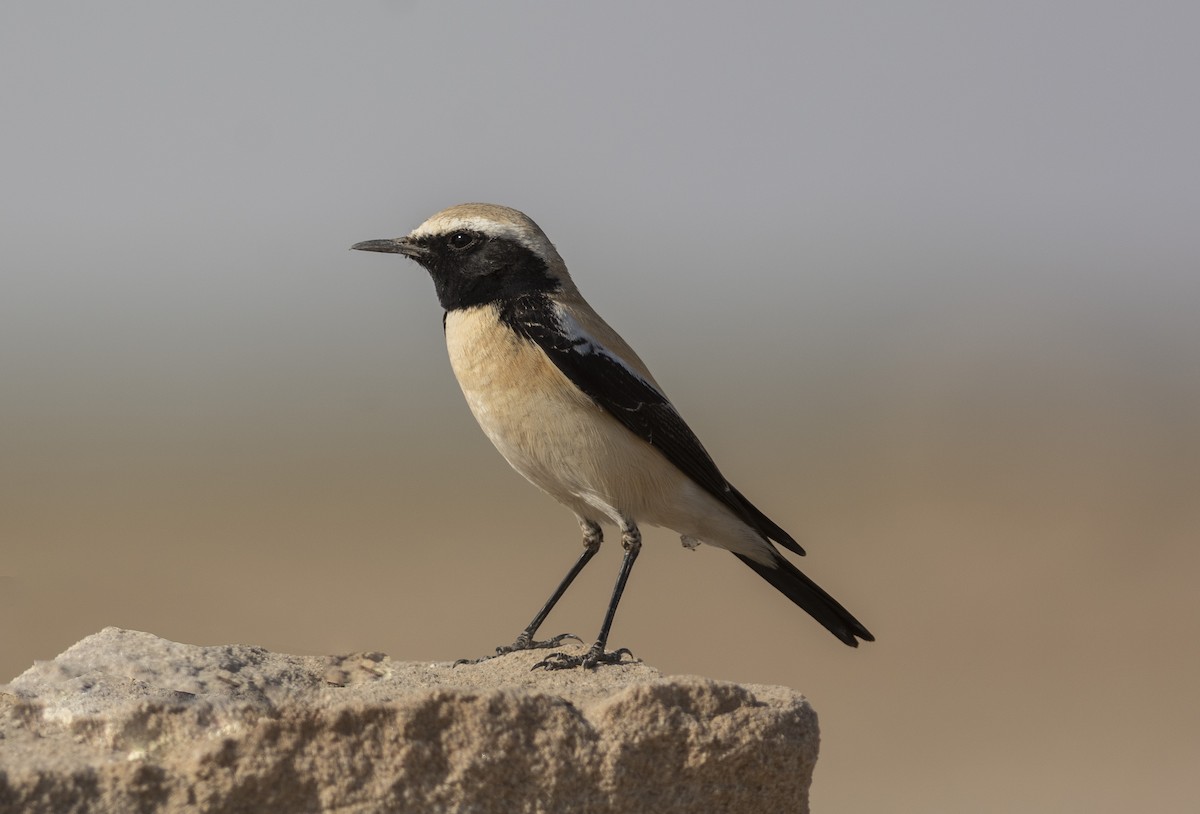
<point>398,245</point>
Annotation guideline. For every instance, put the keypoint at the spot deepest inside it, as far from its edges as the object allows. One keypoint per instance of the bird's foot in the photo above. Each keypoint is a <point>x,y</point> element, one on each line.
<point>526,642</point>
<point>523,642</point>
<point>595,656</point>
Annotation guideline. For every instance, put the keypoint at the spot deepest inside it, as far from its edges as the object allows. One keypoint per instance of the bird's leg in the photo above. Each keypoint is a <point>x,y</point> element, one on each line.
<point>631,541</point>
<point>593,536</point>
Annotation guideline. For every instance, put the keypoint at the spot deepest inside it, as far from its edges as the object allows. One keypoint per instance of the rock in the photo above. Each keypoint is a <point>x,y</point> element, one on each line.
<point>127,722</point>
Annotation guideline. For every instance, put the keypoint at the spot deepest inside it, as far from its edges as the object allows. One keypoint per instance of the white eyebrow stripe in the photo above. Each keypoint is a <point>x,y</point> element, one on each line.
<point>584,343</point>
<point>517,233</point>
<point>442,226</point>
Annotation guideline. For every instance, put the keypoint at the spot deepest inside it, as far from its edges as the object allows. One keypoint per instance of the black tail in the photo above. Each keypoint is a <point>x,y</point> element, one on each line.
<point>766,526</point>
<point>792,583</point>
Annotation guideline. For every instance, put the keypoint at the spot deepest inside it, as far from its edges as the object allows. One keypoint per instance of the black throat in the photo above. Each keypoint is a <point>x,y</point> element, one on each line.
<point>495,270</point>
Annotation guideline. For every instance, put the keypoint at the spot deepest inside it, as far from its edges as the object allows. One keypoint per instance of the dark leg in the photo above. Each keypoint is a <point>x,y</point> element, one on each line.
<point>631,540</point>
<point>592,538</point>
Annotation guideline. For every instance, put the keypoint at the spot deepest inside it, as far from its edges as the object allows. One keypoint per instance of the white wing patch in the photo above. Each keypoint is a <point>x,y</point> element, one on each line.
<point>585,344</point>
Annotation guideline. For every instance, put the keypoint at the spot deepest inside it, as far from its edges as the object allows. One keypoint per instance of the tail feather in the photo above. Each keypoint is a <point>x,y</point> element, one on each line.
<point>766,526</point>
<point>792,583</point>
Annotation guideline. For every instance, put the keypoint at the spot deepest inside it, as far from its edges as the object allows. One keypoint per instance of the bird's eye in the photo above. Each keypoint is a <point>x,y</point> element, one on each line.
<point>461,240</point>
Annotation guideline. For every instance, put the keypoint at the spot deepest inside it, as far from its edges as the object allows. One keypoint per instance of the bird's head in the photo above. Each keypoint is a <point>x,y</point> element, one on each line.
<point>480,253</point>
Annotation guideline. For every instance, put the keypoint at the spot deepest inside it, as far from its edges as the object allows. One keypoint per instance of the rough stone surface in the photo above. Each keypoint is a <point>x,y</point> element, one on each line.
<point>128,722</point>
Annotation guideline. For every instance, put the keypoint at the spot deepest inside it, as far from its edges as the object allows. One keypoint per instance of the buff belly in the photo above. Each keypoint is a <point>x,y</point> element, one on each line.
<point>568,446</point>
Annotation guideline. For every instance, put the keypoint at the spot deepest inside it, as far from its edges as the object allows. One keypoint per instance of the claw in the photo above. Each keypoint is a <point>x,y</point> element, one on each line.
<point>523,642</point>
<point>588,661</point>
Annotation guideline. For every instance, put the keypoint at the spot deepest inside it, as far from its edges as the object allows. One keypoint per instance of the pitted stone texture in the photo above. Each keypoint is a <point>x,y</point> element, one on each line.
<point>125,721</point>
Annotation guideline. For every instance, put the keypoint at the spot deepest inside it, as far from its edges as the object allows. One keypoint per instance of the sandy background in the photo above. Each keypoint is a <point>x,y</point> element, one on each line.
<point>923,278</point>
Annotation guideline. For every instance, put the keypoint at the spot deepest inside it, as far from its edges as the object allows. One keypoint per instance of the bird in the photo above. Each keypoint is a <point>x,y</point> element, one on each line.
<point>575,410</point>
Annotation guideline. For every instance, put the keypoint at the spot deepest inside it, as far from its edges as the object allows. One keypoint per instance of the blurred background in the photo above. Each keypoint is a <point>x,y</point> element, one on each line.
<point>923,276</point>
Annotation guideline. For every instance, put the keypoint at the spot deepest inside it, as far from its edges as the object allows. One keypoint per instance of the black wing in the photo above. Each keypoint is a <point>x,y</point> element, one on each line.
<point>633,401</point>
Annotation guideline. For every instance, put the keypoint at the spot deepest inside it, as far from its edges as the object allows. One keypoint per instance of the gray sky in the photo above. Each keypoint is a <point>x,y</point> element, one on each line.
<point>923,275</point>
<point>180,184</point>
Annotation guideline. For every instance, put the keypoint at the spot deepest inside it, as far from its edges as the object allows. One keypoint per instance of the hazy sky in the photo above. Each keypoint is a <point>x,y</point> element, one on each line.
<point>928,271</point>
<point>871,184</point>
<point>171,167</point>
